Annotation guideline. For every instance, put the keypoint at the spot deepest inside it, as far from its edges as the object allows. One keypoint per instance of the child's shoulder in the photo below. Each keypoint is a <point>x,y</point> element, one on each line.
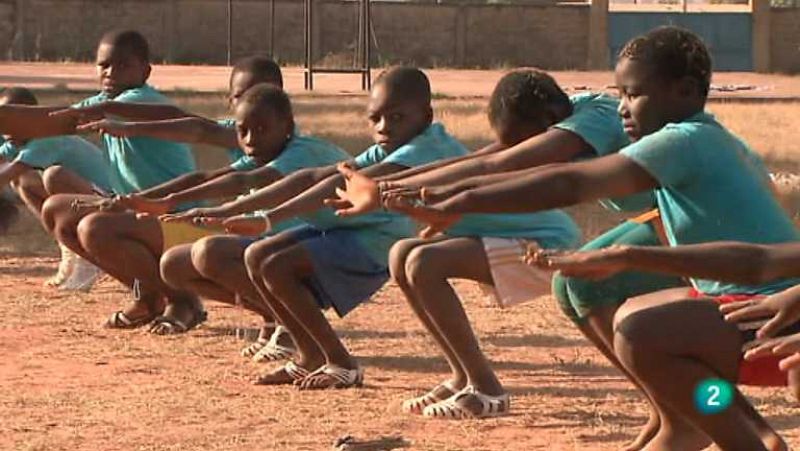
<point>142,94</point>
<point>593,99</point>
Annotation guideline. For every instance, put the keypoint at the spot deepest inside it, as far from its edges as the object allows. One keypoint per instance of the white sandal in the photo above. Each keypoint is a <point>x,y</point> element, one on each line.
<point>342,377</point>
<point>294,371</point>
<point>418,404</point>
<point>453,407</point>
<point>252,349</point>
<point>272,351</point>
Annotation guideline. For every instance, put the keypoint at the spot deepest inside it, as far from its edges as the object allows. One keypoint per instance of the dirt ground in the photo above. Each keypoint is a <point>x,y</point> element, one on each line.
<point>457,83</point>
<point>66,383</point>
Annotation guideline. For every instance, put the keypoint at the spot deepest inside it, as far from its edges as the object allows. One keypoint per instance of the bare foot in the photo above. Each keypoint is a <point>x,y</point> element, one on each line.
<point>646,434</point>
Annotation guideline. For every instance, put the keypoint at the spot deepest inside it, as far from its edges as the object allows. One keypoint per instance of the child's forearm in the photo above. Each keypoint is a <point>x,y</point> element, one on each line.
<point>280,191</point>
<point>313,198</point>
<point>553,146</point>
<point>411,172</point>
<point>177,184</point>
<point>143,111</point>
<point>27,122</point>
<point>735,262</point>
<point>188,129</point>
<point>226,184</point>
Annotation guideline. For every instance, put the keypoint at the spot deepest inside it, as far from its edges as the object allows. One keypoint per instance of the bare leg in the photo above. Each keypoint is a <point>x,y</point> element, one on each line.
<point>30,188</point>
<point>670,365</point>
<point>398,257</point>
<point>129,249</point>
<point>60,180</point>
<point>309,355</point>
<point>427,269</point>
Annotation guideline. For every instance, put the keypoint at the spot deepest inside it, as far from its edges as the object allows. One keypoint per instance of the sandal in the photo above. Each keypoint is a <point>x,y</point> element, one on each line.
<point>167,325</point>
<point>296,372</point>
<point>120,320</point>
<point>454,407</point>
<point>253,348</point>
<point>272,351</point>
<point>418,404</point>
<point>336,376</point>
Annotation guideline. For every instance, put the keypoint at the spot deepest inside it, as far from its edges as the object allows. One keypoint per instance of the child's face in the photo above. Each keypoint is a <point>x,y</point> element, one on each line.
<point>647,102</point>
<point>394,120</point>
<point>240,82</point>
<point>118,70</point>
<point>260,131</point>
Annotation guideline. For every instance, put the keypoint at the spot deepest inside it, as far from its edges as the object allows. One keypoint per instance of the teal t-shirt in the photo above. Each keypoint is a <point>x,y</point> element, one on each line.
<point>595,119</point>
<point>74,153</point>
<point>712,188</point>
<point>138,163</point>
<point>378,231</point>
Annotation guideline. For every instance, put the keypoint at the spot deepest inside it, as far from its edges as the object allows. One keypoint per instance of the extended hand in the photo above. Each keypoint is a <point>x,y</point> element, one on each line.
<point>245,225</point>
<point>782,309</point>
<point>437,221</point>
<point>108,126</point>
<point>788,345</point>
<point>595,264</point>
<point>361,193</point>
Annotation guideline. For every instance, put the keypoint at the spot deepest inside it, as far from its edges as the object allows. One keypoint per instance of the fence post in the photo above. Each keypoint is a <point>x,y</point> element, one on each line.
<point>171,31</point>
<point>760,12</point>
<point>461,35</point>
<point>598,36</point>
<point>18,43</point>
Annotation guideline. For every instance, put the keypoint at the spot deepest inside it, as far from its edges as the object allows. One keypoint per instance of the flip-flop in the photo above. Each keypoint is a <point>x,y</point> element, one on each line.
<point>175,326</point>
<point>294,371</point>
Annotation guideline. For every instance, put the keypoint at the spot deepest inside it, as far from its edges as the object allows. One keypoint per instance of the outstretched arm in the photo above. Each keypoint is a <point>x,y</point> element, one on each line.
<point>552,146</point>
<point>715,261</point>
<point>27,122</point>
<point>136,111</point>
<point>313,198</point>
<point>195,130</point>
<point>269,196</point>
<point>489,149</point>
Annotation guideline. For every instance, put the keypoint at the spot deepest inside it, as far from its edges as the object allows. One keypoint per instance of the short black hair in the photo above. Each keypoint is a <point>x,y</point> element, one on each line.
<point>18,96</point>
<point>674,53</point>
<point>525,95</point>
<point>269,97</point>
<point>131,41</point>
<point>410,82</point>
<point>262,68</point>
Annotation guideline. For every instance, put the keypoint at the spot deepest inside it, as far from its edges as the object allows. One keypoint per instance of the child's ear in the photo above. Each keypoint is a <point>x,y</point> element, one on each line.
<point>147,69</point>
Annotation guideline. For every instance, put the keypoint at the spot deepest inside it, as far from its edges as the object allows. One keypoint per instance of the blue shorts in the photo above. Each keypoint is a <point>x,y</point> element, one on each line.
<point>345,275</point>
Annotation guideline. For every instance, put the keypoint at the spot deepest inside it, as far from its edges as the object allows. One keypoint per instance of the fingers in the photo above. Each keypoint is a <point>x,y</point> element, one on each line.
<point>66,112</point>
<point>790,363</point>
<point>346,169</point>
<point>752,310</point>
<point>90,127</point>
<point>208,221</point>
<point>774,325</point>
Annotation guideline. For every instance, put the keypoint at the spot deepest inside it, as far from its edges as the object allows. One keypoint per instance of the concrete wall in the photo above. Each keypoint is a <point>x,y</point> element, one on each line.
<point>785,40</point>
<point>554,37</point>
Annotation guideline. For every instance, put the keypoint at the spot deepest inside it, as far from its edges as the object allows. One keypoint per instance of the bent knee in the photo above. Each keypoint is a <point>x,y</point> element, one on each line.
<point>423,263</point>
<point>398,255</point>
<point>54,177</point>
<point>207,255</point>
<point>172,264</point>
<point>94,230</point>
<point>53,207</point>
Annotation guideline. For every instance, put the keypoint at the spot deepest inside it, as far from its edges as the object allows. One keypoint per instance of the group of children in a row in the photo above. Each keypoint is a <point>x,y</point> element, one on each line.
<point>313,228</point>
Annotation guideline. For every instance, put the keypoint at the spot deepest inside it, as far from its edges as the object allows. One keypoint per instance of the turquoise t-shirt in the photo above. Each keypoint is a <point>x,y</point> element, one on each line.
<point>713,188</point>
<point>74,153</point>
<point>595,119</point>
<point>379,230</point>
<point>138,163</point>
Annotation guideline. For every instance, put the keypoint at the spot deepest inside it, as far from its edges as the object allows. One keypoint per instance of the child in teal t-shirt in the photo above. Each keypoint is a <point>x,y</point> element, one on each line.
<point>708,187</point>
<point>23,163</point>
